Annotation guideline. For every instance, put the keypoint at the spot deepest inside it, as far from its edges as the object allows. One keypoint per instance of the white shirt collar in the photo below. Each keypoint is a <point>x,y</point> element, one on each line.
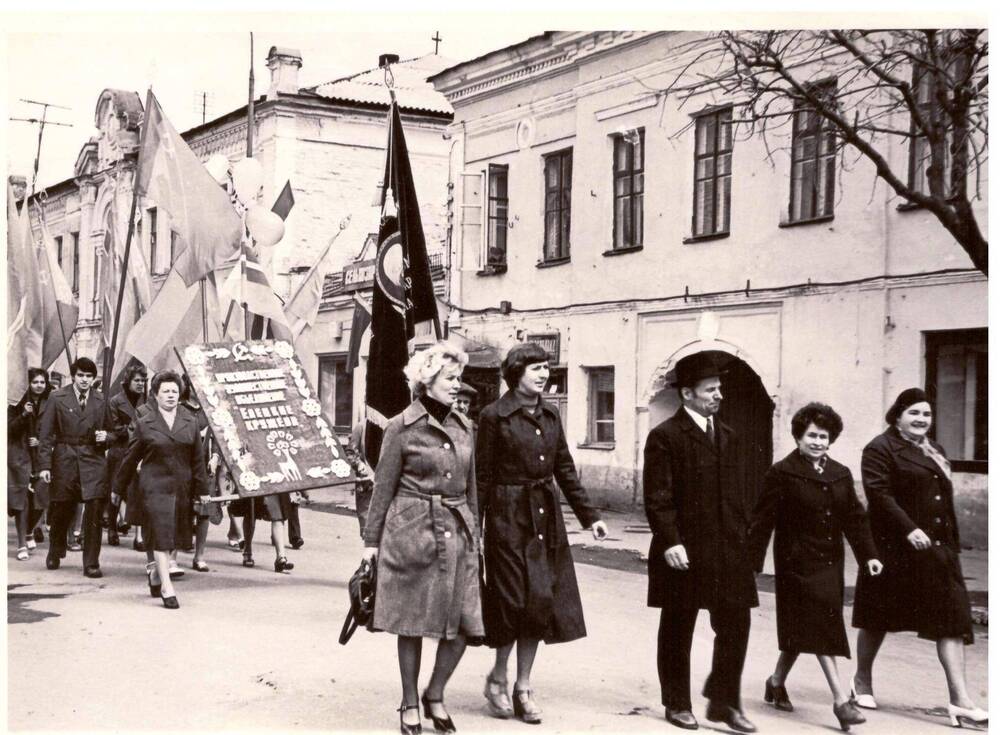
<point>702,421</point>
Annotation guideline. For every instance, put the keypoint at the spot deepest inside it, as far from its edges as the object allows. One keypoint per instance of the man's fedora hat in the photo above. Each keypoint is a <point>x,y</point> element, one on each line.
<point>467,390</point>
<point>692,368</point>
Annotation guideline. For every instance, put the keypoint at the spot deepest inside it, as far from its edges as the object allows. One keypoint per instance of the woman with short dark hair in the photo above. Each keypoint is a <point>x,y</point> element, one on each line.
<point>23,485</point>
<point>122,407</point>
<point>907,479</point>
<point>531,593</point>
<point>168,443</point>
<point>809,503</point>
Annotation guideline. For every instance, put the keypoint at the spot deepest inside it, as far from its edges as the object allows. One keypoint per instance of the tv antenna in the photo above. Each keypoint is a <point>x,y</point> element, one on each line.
<point>41,122</point>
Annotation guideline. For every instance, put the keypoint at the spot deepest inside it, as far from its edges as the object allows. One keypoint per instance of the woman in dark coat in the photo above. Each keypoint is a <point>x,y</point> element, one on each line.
<point>167,442</point>
<point>26,495</point>
<point>531,593</point>
<point>809,502</point>
<point>422,525</point>
<point>907,479</point>
<point>121,413</point>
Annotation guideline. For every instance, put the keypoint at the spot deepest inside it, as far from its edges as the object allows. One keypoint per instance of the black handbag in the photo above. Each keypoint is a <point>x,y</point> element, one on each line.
<point>361,590</point>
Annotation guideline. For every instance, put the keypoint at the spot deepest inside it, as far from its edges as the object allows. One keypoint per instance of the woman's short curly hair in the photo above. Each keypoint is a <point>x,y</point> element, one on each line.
<point>425,365</point>
<point>132,371</point>
<point>167,376</point>
<point>820,414</point>
<point>518,359</point>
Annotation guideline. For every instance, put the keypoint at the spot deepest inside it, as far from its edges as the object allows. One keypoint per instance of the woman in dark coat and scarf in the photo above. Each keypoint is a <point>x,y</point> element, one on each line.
<point>121,413</point>
<point>809,502</point>
<point>26,494</point>
<point>167,441</point>
<point>907,479</point>
<point>531,593</point>
<point>422,525</point>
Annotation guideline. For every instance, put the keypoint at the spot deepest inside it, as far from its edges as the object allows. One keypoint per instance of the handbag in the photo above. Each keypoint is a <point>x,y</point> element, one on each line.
<point>361,589</point>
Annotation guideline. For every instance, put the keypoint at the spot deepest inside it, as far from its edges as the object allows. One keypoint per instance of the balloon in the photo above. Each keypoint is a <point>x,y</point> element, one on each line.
<point>248,177</point>
<point>265,226</point>
<point>218,167</point>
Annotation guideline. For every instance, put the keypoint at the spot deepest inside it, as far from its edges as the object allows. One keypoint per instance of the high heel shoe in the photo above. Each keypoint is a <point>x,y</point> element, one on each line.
<point>847,715</point>
<point>525,708</point>
<point>154,589</point>
<point>282,563</point>
<point>138,545</point>
<point>247,560</point>
<point>170,602</point>
<point>497,697</point>
<point>962,716</point>
<point>777,695</point>
<point>866,701</point>
<point>441,724</point>
<point>409,729</point>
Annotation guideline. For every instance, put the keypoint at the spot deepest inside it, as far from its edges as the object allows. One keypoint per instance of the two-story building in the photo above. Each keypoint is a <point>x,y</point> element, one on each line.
<point>597,214</point>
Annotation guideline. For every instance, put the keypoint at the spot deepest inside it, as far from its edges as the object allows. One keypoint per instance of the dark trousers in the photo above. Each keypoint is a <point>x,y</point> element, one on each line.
<point>294,526</point>
<point>673,655</point>
<point>60,517</point>
<point>93,511</point>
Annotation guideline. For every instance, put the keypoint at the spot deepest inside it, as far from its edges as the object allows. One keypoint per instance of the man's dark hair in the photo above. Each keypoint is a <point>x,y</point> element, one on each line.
<point>83,365</point>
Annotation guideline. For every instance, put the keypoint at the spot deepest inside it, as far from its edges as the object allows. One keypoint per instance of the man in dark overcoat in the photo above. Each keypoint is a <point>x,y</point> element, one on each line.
<point>72,440</point>
<point>696,502</point>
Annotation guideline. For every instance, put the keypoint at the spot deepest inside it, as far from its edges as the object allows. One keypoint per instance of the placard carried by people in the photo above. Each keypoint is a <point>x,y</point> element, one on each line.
<point>266,418</point>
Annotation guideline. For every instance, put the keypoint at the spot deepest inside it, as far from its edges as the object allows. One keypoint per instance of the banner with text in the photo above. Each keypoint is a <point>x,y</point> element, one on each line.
<point>267,421</point>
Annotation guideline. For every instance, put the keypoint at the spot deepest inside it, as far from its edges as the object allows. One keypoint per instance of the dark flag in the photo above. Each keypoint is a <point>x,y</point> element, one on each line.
<point>362,318</point>
<point>285,201</point>
<point>403,295</point>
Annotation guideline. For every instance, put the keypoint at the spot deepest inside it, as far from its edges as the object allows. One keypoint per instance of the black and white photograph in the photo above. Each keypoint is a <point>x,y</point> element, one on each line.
<point>628,379</point>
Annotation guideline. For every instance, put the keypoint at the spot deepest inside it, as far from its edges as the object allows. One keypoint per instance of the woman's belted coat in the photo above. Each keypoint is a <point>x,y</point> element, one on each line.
<point>531,588</point>
<point>423,518</point>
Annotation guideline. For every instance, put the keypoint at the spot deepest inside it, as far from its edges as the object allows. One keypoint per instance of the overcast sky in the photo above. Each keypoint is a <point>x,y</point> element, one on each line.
<point>72,68</point>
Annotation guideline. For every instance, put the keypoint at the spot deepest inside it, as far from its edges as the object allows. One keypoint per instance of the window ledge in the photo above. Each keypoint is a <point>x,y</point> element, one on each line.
<point>705,238</point>
<point>551,263</point>
<point>492,270</point>
<point>908,206</point>
<point>813,221</point>
<point>621,251</point>
<point>603,446</point>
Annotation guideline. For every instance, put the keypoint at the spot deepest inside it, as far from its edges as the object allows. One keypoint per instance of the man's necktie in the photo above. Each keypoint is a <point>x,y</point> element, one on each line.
<point>83,402</point>
<point>710,430</point>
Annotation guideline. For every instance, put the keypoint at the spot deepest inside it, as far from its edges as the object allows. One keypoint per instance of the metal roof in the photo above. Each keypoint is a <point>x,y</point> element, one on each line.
<point>413,91</point>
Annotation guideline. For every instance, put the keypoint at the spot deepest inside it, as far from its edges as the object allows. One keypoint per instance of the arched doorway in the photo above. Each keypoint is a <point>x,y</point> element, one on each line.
<point>746,408</point>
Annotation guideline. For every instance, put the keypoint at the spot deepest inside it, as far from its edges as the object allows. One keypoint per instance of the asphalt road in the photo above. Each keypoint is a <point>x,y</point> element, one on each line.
<point>252,649</point>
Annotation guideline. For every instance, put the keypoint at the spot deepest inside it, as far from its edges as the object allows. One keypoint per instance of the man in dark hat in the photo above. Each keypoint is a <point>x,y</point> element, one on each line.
<point>465,398</point>
<point>693,487</point>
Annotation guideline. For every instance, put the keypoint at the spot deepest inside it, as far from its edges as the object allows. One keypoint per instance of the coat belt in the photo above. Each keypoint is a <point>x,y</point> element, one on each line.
<point>441,504</point>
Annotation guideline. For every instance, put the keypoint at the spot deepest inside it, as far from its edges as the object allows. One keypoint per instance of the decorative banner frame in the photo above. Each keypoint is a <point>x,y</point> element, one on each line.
<point>267,422</point>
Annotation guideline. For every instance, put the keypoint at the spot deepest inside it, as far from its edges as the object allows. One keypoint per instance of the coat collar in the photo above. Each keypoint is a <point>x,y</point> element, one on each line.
<point>509,404</point>
<point>910,451</point>
<point>416,410</point>
<point>155,419</point>
<point>796,464</point>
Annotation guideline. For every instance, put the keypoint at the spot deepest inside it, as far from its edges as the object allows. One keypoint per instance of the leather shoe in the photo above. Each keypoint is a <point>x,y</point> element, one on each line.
<point>51,562</point>
<point>683,718</point>
<point>297,543</point>
<point>93,572</point>
<point>730,716</point>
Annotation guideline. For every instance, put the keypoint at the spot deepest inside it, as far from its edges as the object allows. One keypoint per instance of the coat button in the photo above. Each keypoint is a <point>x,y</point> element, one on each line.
<point>541,457</point>
<point>829,512</point>
<point>937,543</point>
<point>446,445</point>
<point>541,511</point>
<point>937,520</point>
<point>540,537</point>
<point>937,497</point>
<point>538,432</point>
<point>448,475</point>
<point>447,534</point>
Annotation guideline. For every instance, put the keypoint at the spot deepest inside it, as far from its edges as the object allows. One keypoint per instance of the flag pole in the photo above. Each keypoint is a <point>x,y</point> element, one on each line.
<point>109,363</point>
<point>243,259</point>
<point>62,327</point>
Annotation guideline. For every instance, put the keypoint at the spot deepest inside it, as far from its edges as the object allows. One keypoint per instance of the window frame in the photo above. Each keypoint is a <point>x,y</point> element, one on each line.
<point>76,264</point>
<point>919,140</point>
<point>819,127</point>
<point>933,342</point>
<point>335,359</point>
<point>715,177</point>
<point>563,192</point>
<point>595,375</point>
<point>59,250</point>
<point>492,223</point>
<point>635,200</point>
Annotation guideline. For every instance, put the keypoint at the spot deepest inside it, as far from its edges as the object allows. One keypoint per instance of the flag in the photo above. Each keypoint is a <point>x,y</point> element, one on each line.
<point>403,294</point>
<point>202,218</point>
<point>303,307</point>
<point>24,337</point>
<point>285,201</point>
<point>361,321</point>
<point>59,310</point>
<point>248,283</point>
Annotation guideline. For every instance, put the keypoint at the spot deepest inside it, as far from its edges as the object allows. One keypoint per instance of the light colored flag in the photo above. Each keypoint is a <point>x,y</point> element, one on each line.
<point>302,308</point>
<point>59,309</point>
<point>201,216</point>
<point>24,338</point>
<point>247,283</point>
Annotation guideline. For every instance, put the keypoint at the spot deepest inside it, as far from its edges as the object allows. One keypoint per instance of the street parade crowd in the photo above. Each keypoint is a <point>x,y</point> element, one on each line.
<point>463,523</point>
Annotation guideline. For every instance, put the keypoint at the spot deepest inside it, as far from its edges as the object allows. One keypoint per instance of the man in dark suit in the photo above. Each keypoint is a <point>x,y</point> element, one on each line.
<point>693,488</point>
<point>72,440</point>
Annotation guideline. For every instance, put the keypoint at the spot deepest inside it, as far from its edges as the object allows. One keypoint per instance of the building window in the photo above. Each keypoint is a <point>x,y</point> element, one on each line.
<point>59,251</point>
<point>920,147</point>
<point>556,392</point>
<point>814,151</point>
<point>99,254</point>
<point>76,263</point>
<point>496,231</point>
<point>601,406</point>
<point>957,376</point>
<point>713,172</point>
<point>629,186</point>
<point>558,188</point>
<point>336,390</point>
